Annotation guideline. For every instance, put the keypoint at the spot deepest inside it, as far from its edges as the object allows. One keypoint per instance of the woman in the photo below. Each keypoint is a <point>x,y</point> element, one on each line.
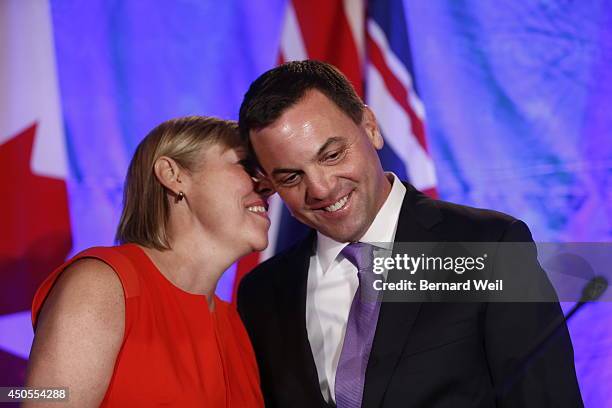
<point>139,324</point>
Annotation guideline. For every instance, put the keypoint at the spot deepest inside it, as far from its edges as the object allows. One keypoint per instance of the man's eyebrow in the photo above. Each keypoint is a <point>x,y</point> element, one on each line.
<point>321,150</point>
<point>281,170</point>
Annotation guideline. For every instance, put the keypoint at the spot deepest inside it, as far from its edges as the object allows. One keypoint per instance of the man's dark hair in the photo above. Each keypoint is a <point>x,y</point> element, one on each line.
<point>280,88</point>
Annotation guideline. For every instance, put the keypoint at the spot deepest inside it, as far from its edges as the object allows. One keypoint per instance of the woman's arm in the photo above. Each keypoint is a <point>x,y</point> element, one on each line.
<point>79,333</point>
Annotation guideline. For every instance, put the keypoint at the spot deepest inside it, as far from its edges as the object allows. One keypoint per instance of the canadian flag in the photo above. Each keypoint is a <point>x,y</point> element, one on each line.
<point>34,218</point>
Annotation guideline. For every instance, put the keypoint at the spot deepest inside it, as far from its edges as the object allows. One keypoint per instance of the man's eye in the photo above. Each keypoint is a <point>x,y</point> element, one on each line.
<point>334,156</point>
<point>290,180</point>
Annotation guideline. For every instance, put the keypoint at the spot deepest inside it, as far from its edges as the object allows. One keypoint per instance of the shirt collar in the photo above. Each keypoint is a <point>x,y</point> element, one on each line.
<point>381,231</point>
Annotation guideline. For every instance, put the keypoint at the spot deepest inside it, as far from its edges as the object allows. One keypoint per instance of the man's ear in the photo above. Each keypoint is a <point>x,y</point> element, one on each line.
<point>370,125</point>
<point>169,174</point>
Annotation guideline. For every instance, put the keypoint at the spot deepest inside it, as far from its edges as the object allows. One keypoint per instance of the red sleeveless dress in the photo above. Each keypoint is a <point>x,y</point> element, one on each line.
<point>175,351</point>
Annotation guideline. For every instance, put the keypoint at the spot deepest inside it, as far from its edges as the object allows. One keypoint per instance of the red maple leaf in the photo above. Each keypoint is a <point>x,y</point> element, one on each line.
<point>34,224</point>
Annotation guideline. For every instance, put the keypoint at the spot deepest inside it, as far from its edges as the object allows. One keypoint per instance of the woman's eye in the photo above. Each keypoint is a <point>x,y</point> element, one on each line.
<point>248,166</point>
<point>244,163</point>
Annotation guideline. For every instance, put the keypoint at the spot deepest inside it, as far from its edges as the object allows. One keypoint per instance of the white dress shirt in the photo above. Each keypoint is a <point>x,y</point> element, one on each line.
<point>332,283</point>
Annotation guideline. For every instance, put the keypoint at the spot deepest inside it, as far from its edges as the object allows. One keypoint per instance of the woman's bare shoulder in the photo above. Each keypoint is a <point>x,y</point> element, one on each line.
<point>88,287</point>
<point>79,332</point>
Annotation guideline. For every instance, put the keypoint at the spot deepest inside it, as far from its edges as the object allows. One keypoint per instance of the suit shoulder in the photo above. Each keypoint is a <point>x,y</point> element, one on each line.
<point>263,274</point>
<point>474,214</point>
<point>465,223</point>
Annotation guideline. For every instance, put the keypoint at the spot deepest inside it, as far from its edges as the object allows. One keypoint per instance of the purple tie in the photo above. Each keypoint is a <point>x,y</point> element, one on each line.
<point>360,328</point>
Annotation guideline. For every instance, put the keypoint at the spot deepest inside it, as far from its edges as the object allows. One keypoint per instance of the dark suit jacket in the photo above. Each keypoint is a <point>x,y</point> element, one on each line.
<point>424,354</point>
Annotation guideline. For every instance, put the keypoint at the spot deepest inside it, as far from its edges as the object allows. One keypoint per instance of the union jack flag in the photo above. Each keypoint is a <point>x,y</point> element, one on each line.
<point>369,42</point>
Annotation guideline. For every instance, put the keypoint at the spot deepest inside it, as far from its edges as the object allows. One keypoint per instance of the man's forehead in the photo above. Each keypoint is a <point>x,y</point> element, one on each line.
<point>314,106</point>
<point>301,132</point>
<point>308,137</point>
<point>291,133</point>
<point>302,128</point>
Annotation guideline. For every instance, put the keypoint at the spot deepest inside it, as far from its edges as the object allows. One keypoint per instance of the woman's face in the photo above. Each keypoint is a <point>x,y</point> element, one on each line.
<point>223,199</point>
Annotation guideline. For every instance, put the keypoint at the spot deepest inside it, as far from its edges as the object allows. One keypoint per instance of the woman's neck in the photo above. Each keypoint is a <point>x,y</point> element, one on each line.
<point>194,263</point>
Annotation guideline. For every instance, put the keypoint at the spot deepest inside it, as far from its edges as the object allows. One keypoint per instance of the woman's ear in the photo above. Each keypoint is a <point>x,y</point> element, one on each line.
<point>370,125</point>
<point>169,174</point>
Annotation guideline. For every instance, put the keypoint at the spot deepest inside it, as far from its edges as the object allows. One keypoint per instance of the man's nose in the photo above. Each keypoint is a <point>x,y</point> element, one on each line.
<point>319,185</point>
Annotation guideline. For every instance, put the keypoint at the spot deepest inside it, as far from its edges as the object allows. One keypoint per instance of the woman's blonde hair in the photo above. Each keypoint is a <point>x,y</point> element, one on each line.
<point>146,205</point>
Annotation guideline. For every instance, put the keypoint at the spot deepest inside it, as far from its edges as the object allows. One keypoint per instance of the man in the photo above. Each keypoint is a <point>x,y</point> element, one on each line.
<point>316,142</point>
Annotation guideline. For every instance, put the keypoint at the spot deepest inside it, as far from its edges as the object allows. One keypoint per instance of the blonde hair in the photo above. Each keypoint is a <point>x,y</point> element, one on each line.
<point>146,205</point>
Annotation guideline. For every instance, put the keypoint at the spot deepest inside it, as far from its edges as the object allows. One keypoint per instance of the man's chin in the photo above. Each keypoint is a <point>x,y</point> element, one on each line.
<point>338,232</point>
<point>343,235</point>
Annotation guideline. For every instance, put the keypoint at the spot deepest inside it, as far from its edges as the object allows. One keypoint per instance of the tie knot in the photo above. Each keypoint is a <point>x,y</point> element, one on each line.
<point>359,254</point>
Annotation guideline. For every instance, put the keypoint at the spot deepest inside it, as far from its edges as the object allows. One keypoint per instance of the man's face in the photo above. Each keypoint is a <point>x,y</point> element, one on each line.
<point>324,166</point>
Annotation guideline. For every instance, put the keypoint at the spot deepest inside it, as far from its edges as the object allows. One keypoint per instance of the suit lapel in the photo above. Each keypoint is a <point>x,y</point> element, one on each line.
<point>291,283</point>
<point>417,216</point>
